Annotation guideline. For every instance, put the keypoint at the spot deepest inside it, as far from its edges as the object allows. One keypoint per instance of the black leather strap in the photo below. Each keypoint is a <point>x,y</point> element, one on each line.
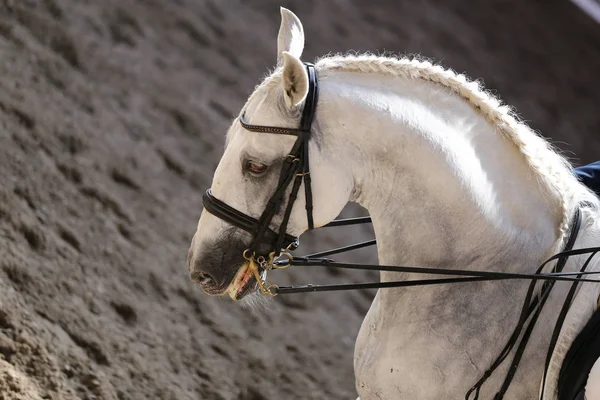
<point>561,319</point>
<point>312,97</point>
<point>348,221</point>
<point>544,294</point>
<point>487,275</point>
<point>308,115</point>
<point>272,129</point>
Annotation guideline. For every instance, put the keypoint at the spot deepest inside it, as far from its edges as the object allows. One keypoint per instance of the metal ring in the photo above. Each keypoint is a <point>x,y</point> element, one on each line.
<point>246,256</point>
<point>272,290</point>
<point>286,264</point>
<point>271,259</point>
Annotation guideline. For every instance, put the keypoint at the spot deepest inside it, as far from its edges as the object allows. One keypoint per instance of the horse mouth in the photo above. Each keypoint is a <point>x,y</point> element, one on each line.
<point>243,283</point>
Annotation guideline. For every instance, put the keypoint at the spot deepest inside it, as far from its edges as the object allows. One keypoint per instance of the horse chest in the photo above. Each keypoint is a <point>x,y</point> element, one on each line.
<point>397,361</point>
<point>420,358</point>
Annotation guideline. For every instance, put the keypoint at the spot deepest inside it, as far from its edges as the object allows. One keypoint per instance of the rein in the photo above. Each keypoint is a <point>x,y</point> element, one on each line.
<point>468,275</point>
<point>530,312</point>
<point>296,168</point>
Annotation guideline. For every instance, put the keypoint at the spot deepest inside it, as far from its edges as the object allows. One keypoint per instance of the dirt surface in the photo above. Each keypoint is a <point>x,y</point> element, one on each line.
<point>112,119</point>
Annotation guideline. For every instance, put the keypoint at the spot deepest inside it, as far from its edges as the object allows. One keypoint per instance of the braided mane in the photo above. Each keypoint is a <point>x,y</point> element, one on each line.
<point>553,171</point>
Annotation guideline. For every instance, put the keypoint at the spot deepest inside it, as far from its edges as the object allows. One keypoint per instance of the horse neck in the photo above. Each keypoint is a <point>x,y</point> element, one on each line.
<point>443,187</point>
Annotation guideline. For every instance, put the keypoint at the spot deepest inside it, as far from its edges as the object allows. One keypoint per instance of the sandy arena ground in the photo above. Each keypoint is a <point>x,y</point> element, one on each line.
<point>112,119</point>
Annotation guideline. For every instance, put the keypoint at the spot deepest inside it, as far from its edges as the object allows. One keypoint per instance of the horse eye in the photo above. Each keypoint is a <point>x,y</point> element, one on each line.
<point>255,167</point>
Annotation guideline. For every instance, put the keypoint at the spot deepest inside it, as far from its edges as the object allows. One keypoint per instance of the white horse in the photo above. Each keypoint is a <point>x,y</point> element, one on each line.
<point>451,179</point>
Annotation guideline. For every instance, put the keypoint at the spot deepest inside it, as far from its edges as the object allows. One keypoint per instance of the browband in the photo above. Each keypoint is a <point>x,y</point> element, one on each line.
<point>308,112</point>
<point>271,129</point>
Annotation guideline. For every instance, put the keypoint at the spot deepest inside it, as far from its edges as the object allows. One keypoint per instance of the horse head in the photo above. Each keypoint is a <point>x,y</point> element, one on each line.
<point>255,165</point>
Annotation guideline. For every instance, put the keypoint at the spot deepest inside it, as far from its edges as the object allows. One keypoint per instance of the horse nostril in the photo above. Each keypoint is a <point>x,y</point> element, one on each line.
<point>204,279</point>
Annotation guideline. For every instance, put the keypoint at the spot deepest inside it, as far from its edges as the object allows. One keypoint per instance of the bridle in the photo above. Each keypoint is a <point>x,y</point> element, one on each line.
<point>296,169</point>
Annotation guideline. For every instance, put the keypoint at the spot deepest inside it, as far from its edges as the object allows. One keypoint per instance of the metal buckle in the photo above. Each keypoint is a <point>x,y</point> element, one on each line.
<point>294,245</point>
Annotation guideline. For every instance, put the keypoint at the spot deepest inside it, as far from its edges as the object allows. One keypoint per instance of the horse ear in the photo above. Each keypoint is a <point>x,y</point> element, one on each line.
<point>295,80</point>
<point>290,37</point>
